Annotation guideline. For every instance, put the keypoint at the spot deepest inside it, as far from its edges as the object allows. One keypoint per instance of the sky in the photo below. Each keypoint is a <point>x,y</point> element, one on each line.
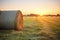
<point>32,6</point>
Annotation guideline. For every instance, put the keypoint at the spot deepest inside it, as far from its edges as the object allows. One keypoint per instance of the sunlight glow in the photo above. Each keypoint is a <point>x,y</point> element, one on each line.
<point>40,12</point>
<point>40,7</point>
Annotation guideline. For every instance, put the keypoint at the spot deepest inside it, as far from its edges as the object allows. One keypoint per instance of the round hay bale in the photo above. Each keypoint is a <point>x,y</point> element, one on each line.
<point>11,20</point>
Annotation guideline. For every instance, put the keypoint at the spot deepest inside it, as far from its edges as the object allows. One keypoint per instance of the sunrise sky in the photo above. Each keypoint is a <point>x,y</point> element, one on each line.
<point>32,6</point>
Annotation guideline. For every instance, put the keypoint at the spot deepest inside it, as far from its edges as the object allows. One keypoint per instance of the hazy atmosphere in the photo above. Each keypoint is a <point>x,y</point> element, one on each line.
<point>29,19</point>
<point>40,7</point>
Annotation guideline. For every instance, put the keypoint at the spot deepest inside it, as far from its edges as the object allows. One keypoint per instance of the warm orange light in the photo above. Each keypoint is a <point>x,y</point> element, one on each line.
<point>41,12</point>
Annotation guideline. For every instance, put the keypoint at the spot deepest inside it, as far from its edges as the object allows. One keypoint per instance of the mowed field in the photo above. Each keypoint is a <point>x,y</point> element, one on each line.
<point>35,28</point>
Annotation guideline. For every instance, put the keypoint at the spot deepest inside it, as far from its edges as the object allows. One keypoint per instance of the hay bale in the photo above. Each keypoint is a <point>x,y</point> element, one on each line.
<point>11,20</point>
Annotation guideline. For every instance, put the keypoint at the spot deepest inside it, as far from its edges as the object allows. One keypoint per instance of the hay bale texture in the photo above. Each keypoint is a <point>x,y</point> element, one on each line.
<point>11,19</point>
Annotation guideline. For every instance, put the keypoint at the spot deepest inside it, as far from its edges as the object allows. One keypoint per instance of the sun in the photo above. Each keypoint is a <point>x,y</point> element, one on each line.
<point>41,12</point>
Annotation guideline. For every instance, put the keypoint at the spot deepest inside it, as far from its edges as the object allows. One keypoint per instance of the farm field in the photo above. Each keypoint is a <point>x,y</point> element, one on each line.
<point>35,28</point>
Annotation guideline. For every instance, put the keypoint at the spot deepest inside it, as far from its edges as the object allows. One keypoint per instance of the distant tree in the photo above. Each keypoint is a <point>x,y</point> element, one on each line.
<point>58,15</point>
<point>34,15</point>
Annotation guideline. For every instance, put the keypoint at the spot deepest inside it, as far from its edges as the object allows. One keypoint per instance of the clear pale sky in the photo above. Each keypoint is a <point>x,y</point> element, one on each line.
<point>32,6</point>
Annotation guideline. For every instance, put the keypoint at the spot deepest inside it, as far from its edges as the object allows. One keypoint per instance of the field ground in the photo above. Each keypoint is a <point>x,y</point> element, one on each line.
<point>35,28</point>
